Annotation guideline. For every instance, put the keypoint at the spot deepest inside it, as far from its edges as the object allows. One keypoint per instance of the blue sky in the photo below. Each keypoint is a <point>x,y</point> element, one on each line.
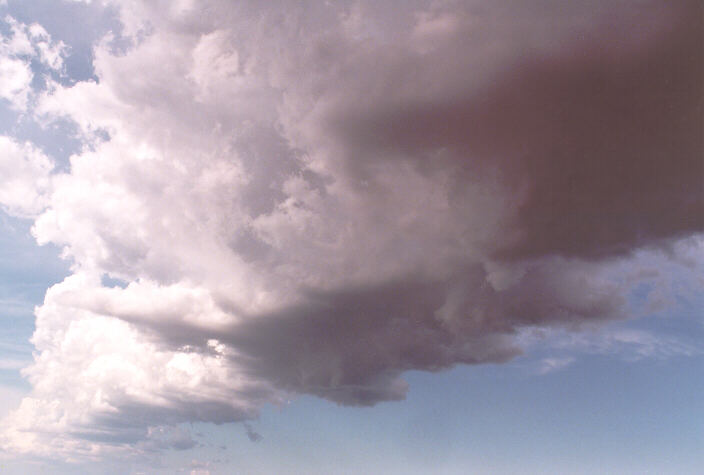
<point>350,238</point>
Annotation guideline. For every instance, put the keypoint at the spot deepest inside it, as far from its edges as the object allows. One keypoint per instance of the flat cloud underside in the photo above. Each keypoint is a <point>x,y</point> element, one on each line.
<point>337,210</point>
<point>351,346</point>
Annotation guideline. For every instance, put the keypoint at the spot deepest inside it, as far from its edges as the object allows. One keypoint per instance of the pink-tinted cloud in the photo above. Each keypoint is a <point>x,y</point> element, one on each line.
<point>315,199</point>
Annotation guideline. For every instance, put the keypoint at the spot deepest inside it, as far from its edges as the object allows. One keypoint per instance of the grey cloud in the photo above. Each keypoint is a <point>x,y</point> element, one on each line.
<point>351,346</point>
<point>602,133</point>
<point>355,194</point>
<point>252,434</point>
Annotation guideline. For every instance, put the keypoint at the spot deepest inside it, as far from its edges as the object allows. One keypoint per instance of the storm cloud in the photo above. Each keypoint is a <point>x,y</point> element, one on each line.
<point>308,198</point>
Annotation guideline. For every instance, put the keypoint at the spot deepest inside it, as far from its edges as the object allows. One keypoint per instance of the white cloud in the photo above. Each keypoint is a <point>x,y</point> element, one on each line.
<point>632,344</point>
<point>16,80</point>
<point>302,205</point>
<point>549,365</point>
<point>18,49</point>
<point>629,344</point>
<point>13,364</point>
<point>24,178</point>
<point>123,386</point>
<point>10,398</point>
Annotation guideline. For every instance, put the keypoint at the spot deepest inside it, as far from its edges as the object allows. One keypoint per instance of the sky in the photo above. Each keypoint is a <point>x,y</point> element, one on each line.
<point>427,236</point>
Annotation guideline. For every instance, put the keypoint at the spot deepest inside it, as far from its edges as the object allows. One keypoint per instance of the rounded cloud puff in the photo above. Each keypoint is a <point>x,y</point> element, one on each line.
<point>318,200</point>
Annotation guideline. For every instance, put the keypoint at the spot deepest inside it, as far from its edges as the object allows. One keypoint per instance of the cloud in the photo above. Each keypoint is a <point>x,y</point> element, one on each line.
<point>252,434</point>
<point>549,365</point>
<point>12,364</point>
<point>318,201</point>
<point>176,438</point>
<point>10,398</point>
<point>631,344</point>
<point>24,178</point>
<point>23,45</point>
<point>579,124</point>
<point>16,80</point>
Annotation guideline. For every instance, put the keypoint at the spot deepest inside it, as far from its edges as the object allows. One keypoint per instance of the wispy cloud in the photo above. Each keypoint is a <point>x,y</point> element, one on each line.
<point>549,365</point>
<point>626,343</point>
<point>13,364</point>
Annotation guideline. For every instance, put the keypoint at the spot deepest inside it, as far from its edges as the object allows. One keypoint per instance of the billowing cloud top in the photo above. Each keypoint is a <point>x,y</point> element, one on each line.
<point>306,197</point>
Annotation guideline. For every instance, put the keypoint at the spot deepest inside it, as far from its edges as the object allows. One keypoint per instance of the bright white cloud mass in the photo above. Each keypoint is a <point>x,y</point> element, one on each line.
<point>315,197</point>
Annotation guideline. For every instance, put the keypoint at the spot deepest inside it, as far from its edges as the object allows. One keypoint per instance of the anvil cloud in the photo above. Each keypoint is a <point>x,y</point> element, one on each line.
<point>312,198</point>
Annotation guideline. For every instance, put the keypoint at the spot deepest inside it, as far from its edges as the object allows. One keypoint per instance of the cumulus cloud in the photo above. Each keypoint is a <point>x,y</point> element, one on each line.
<point>313,199</point>
<point>24,177</point>
<point>22,45</point>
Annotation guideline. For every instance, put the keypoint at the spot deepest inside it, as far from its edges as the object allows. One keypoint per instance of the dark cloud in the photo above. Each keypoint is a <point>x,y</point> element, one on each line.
<point>319,199</point>
<point>351,346</point>
<point>600,138</point>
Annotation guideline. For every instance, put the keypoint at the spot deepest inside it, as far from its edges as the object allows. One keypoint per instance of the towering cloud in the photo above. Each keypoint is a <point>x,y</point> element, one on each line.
<point>307,198</point>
